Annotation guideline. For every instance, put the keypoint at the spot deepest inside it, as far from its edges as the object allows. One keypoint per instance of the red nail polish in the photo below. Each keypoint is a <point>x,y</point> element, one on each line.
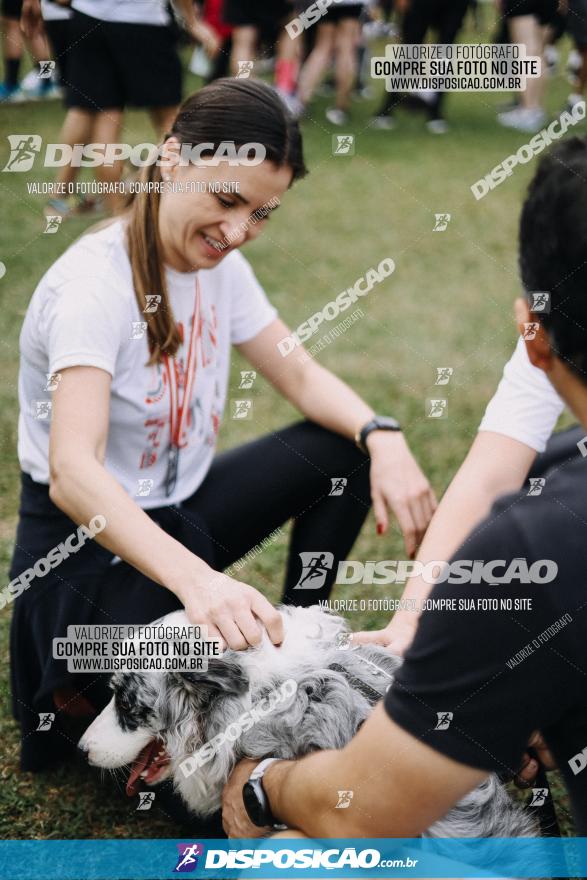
<point>379,528</point>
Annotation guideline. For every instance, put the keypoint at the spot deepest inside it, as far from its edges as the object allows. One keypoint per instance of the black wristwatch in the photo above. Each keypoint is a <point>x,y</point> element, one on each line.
<point>377,423</point>
<point>255,799</point>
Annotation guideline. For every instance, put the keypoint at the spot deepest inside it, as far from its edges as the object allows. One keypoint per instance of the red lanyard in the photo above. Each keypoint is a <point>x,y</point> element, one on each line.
<point>179,409</point>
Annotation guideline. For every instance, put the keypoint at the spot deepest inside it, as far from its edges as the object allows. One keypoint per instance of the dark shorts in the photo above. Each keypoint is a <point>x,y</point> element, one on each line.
<point>577,22</point>
<point>544,10</point>
<point>338,13</point>
<point>60,41</point>
<point>263,14</point>
<point>112,65</point>
<point>11,8</point>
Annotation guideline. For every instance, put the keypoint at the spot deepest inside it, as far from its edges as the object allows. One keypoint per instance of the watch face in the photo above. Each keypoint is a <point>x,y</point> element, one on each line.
<point>253,805</point>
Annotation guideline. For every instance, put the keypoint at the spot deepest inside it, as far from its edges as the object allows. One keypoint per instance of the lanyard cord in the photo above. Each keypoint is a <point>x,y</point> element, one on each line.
<point>178,411</point>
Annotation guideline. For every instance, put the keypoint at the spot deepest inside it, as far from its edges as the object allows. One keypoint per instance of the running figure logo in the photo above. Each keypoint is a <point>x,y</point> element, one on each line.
<point>343,145</point>
<point>243,409</point>
<point>441,222</point>
<point>46,69</point>
<point>23,151</point>
<point>437,408</point>
<point>138,329</point>
<point>46,719</point>
<point>53,223</point>
<point>247,378</point>
<point>187,860</point>
<point>144,487</point>
<point>146,799</point>
<point>536,486</point>
<point>539,796</point>
<point>315,567</point>
<point>152,301</point>
<point>42,409</point>
<point>52,383</point>
<point>343,641</point>
<point>244,69</point>
<point>344,800</point>
<point>530,330</point>
<point>443,375</point>
<point>540,301</point>
<point>444,719</point>
<point>338,485</point>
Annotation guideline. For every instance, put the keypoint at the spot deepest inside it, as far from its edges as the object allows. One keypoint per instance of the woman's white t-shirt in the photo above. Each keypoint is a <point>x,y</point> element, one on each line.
<point>84,313</point>
<point>129,11</point>
<point>525,406</point>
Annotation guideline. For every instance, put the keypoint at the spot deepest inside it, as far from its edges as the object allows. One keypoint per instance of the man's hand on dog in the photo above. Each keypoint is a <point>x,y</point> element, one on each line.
<point>235,820</point>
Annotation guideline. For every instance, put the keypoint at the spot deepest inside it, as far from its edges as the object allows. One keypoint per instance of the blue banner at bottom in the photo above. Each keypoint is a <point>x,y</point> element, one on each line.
<point>282,857</point>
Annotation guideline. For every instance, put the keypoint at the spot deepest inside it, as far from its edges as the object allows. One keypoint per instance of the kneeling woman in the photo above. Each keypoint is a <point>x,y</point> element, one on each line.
<point>133,326</point>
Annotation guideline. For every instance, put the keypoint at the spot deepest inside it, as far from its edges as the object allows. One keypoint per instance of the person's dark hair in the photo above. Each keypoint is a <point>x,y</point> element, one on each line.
<point>240,111</point>
<point>553,249</point>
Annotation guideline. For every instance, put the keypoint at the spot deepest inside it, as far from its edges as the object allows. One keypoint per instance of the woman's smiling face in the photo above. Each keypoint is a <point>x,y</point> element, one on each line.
<point>199,226</point>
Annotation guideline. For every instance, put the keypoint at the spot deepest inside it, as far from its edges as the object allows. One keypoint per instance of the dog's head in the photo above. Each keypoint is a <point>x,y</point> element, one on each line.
<point>152,718</point>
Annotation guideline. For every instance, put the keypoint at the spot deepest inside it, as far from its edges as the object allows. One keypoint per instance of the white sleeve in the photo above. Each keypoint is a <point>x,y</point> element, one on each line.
<point>250,310</point>
<point>525,406</point>
<point>85,322</point>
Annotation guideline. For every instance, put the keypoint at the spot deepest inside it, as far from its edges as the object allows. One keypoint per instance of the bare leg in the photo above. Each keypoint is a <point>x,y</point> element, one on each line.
<point>106,130</point>
<point>12,49</point>
<point>162,119</point>
<point>244,46</point>
<point>527,30</point>
<point>347,39</point>
<point>76,129</point>
<point>317,62</point>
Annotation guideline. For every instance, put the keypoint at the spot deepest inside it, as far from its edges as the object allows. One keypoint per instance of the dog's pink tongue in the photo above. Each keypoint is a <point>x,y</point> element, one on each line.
<point>143,760</point>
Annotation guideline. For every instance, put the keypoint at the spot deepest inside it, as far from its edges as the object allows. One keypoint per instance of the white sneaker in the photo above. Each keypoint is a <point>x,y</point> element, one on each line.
<point>523,119</point>
<point>437,126</point>
<point>384,123</point>
<point>336,116</point>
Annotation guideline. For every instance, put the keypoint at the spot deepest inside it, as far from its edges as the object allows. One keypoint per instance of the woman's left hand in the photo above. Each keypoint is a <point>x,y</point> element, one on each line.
<point>235,820</point>
<point>398,484</point>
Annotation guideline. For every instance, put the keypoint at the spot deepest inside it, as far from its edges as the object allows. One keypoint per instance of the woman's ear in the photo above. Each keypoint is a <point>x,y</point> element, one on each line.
<point>169,156</point>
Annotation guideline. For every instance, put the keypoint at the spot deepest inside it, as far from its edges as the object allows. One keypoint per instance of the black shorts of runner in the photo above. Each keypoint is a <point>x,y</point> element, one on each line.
<point>338,13</point>
<point>544,10</point>
<point>112,65</point>
<point>11,8</point>
<point>262,14</point>
<point>60,41</point>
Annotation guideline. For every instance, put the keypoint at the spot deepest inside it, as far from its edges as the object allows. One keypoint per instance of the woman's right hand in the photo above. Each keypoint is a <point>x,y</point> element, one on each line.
<point>232,611</point>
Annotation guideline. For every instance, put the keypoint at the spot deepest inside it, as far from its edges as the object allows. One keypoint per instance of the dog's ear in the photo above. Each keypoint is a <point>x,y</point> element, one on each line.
<point>222,675</point>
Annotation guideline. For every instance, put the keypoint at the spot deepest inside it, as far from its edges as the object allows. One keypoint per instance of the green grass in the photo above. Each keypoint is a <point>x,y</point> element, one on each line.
<point>449,303</point>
